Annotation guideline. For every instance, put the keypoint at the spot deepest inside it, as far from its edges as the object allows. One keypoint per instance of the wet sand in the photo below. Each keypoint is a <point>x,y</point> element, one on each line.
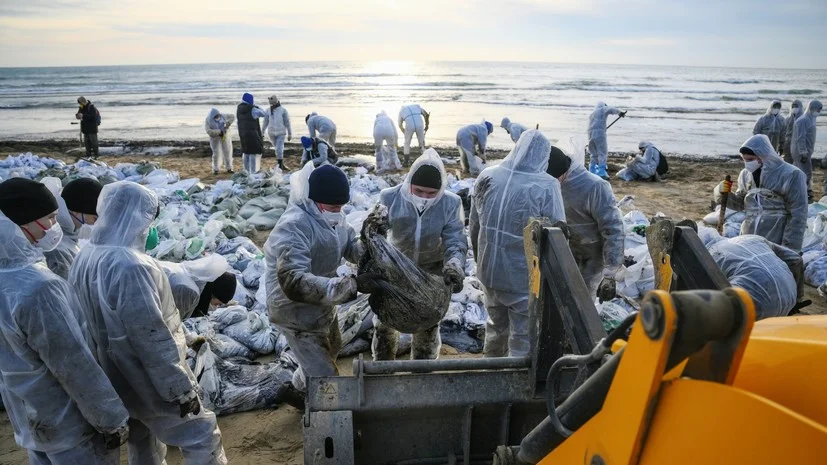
<point>275,436</point>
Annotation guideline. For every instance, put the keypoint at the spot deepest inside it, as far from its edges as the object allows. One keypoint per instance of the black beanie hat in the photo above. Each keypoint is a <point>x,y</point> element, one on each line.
<point>23,200</point>
<point>329,185</point>
<point>427,176</point>
<point>223,289</point>
<point>81,195</point>
<point>558,162</point>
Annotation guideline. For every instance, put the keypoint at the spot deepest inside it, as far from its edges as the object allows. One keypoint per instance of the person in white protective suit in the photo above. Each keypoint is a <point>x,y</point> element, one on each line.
<point>318,151</point>
<point>598,142</point>
<point>323,125</point>
<point>505,198</point>
<point>515,130</point>
<point>596,223</point>
<point>217,126</point>
<point>276,125</point>
<point>138,332</point>
<point>772,193</point>
<point>427,225</point>
<point>77,204</point>
<point>796,110</point>
<point>413,119</point>
<point>803,143</point>
<point>198,284</point>
<point>385,140</point>
<point>773,275</point>
<point>643,166</point>
<point>471,142</point>
<point>61,405</point>
<point>302,254</point>
<point>771,124</point>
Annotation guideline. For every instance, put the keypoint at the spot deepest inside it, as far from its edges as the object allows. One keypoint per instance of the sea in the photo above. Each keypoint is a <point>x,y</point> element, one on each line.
<point>695,111</point>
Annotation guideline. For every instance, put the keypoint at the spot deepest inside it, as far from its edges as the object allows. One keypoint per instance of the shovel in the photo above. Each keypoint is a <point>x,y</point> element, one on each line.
<point>724,198</point>
<point>622,115</point>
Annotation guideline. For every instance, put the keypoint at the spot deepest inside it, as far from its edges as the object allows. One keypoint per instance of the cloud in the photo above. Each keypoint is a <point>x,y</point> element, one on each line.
<point>642,42</point>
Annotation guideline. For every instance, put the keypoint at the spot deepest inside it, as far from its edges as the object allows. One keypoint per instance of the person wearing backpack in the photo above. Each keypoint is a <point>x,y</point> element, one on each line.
<point>648,165</point>
<point>90,119</point>
<point>318,151</point>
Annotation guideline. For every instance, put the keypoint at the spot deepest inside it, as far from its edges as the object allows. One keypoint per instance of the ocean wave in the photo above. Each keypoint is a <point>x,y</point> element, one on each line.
<point>729,81</point>
<point>789,92</point>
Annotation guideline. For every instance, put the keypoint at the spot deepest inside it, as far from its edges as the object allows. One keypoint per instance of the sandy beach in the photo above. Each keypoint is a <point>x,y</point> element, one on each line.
<point>275,436</point>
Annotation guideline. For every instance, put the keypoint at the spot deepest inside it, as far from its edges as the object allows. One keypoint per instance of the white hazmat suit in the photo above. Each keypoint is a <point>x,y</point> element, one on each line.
<point>796,110</point>
<point>324,126</point>
<point>763,269</point>
<point>188,280</point>
<point>596,224</point>
<point>515,130</point>
<point>505,198</point>
<point>221,142</point>
<point>598,142</point>
<point>432,236</point>
<point>61,258</point>
<point>412,121</point>
<point>276,125</point>
<point>138,332</point>
<point>803,142</point>
<point>302,254</point>
<point>771,125</point>
<point>642,167</point>
<point>471,141</point>
<point>57,397</point>
<point>385,140</point>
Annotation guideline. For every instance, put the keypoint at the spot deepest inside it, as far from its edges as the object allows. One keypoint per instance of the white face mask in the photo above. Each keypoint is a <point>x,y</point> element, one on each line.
<point>796,111</point>
<point>52,238</point>
<point>333,218</point>
<point>775,111</point>
<point>420,203</point>
<point>816,113</point>
<point>752,166</point>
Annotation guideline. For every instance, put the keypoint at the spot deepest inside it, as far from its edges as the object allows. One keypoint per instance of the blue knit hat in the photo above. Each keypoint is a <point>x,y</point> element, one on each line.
<point>307,142</point>
<point>247,98</point>
<point>329,185</point>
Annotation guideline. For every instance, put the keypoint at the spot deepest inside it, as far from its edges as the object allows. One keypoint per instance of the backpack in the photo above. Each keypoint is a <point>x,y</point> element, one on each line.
<point>663,166</point>
<point>332,156</point>
<point>97,117</point>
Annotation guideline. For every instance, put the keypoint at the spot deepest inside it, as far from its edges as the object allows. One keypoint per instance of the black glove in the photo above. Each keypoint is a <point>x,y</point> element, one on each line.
<point>374,224</point>
<point>607,290</point>
<point>192,406</point>
<point>367,282</point>
<point>452,278</point>
<point>623,114</point>
<point>117,438</point>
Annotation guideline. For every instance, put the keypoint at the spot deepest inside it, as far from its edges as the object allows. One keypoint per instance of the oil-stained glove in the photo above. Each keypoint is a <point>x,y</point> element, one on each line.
<point>117,438</point>
<point>367,282</point>
<point>189,404</point>
<point>452,278</point>
<point>607,290</point>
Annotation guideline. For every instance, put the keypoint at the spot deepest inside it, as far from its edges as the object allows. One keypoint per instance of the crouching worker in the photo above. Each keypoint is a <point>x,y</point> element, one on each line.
<point>197,284</point>
<point>427,225</point>
<point>302,254</point>
<point>138,332</point>
<point>643,166</point>
<point>62,407</point>
<point>772,274</point>
<point>318,151</point>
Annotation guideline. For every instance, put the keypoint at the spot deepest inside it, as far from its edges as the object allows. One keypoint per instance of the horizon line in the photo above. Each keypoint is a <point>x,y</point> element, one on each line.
<point>3,67</point>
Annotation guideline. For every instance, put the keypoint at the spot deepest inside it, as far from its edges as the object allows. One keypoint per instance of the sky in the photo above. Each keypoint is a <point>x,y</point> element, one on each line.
<point>740,33</point>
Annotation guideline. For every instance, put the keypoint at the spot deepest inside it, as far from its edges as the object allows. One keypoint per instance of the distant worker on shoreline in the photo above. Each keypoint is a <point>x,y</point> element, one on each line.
<point>804,142</point>
<point>385,140</point>
<point>413,119</point>
<point>217,125</point>
<point>598,143</point>
<point>471,141</point>
<point>323,125</point>
<point>277,125</point>
<point>90,119</point>
<point>249,132</point>
<point>771,124</point>
<point>643,166</point>
<point>515,130</point>
<point>796,110</point>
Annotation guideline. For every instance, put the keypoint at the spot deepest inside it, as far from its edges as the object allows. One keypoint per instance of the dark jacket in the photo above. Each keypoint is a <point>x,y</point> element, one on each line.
<point>89,119</point>
<point>249,131</point>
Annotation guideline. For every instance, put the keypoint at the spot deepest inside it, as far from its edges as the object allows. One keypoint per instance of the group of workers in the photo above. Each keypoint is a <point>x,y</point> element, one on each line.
<point>92,349</point>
